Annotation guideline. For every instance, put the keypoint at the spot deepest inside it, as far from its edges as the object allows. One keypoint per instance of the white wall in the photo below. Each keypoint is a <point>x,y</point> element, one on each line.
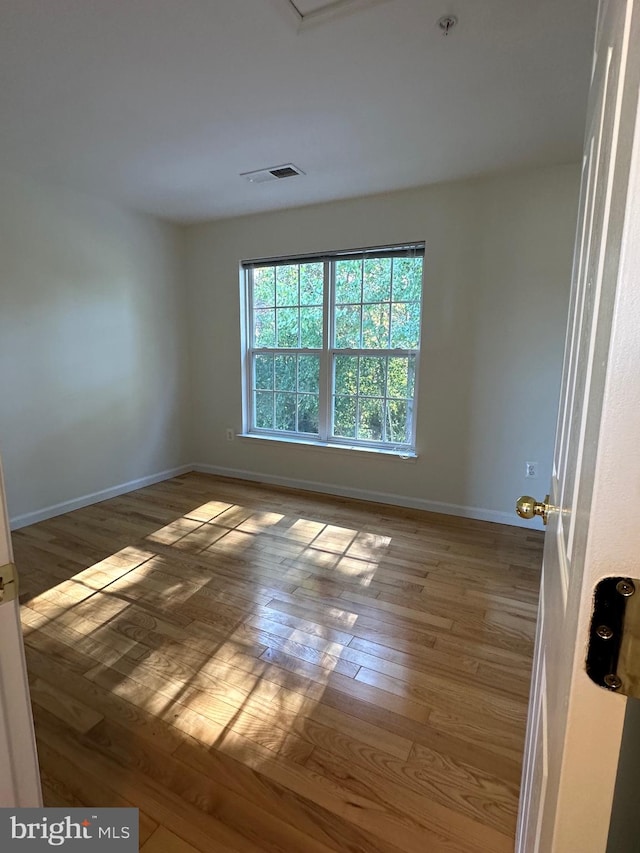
<point>98,357</point>
<point>93,373</point>
<point>497,274</point>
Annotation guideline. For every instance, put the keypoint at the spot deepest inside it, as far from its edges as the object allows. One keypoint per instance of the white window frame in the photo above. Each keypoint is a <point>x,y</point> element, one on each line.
<point>327,354</point>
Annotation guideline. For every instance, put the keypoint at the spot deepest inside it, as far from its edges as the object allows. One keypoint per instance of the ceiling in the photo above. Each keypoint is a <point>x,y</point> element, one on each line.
<point>161,104</point>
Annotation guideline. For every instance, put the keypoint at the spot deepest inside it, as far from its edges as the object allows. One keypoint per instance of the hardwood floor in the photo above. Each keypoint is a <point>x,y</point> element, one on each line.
<point>260,669</point>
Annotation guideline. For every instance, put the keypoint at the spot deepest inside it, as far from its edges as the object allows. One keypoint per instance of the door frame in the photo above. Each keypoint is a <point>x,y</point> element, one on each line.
<point>20,778</point>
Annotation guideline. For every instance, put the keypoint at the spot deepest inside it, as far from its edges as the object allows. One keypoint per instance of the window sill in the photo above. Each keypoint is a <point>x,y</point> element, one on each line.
<point>404,455</point>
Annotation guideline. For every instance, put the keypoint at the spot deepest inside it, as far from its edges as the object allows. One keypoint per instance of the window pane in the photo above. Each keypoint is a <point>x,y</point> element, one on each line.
<point>309,373</point>
<point>264,371</point>
<point>346,374</point>
<point>311,328</point>
<point>370,421</point>
<point>398,378</point>
<point>348,327</point>
<point>264,409</point>
<point>377,280</point>
<point>375,326</point>
<point>286,372</point>
<point>373,376</point>
<point>308,413</point>
<point>344,417</point>
<point>287,285</point>
<point>348,281</point>
<point>407,279</point>
<point>264,327</point>
<point>397,421</point>
<point>405,325</point>
<point>286,412</point>
<point>287,319</point>
<point>311,284</point>
<point>264,291</point>
<point>412,377</point>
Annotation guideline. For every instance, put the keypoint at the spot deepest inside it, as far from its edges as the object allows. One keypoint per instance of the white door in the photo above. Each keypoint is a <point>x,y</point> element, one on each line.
<point>19,773</point>
<point>575,727</point>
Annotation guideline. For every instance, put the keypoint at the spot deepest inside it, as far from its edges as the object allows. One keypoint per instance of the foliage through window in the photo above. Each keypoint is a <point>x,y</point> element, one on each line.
<point>333,346</point>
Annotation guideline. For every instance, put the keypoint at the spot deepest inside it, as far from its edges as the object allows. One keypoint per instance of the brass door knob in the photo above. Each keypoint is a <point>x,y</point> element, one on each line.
<point>528,507</point>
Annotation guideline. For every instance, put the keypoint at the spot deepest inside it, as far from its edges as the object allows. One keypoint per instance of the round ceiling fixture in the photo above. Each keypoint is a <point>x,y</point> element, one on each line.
<point>447,23</point>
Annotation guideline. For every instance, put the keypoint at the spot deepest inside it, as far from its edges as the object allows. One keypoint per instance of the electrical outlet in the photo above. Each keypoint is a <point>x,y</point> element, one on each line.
<point>230,434</point>
<point>531,470</point>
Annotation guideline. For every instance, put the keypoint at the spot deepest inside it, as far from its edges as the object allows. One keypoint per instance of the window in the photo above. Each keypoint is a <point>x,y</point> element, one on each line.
<point>333,347</point>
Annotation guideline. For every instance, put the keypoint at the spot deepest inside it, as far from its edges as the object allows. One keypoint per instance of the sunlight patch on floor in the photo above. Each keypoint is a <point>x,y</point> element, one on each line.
<point>250,675</point>
<point>171,533</point>
<point>208,511</point>
<point>260,522</point>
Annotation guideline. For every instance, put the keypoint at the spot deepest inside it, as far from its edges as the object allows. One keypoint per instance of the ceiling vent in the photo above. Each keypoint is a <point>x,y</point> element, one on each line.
<point>275,173</point>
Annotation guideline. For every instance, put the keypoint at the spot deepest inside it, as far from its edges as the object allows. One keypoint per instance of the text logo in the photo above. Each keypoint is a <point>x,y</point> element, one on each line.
<point>28,830</point>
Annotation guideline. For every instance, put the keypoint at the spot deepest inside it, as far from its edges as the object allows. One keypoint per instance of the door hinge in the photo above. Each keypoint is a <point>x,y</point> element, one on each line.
<point>8,583</point>
<point>613,655</point>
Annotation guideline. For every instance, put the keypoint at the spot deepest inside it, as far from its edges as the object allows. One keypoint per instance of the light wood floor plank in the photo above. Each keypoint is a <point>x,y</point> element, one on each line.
<point>164,841</point>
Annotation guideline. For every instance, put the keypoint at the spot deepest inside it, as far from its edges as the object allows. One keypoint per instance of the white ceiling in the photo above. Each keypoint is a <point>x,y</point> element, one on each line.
<point>160,104</point>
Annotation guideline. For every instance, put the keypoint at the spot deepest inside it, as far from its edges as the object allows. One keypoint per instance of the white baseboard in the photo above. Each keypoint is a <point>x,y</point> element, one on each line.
<point>478,513</point>
<point>46,512</point>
